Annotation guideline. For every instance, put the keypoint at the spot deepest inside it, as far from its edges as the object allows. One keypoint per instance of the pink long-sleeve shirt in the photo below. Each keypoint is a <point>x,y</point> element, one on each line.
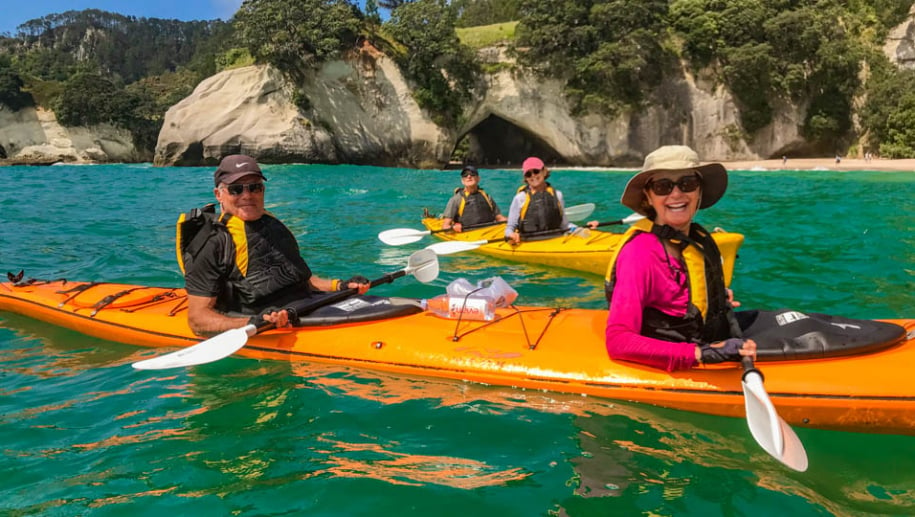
<point>647,277</point>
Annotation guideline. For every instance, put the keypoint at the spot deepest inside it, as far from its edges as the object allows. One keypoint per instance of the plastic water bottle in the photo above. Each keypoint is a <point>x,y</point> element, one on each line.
<point>465,308</point>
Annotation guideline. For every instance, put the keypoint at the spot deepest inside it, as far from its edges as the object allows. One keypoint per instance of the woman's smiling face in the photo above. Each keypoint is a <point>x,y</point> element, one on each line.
<point>677,208</point>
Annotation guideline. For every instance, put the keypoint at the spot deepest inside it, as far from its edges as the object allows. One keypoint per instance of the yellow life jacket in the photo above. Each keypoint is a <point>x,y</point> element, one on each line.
<point>265,267</point>
<point>478,212</point>
<point>546,214</point>
<point>709,316</point>
<point>196,227</point>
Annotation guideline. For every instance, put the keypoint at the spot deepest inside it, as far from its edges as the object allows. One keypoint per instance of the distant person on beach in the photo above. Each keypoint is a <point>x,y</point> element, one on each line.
<point>241,266</point>
<point>669,307</point>
<point>537,207</point>
<point>838,159</point>
<point>784,160</point>
<point>470,205</point>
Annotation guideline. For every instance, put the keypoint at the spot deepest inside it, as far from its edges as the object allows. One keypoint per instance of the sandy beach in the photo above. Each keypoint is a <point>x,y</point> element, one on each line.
<point>847,164</point>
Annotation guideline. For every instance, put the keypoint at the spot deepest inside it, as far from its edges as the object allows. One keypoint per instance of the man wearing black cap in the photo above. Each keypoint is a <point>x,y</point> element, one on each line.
<point>470,205</point>
<point>248,263</point>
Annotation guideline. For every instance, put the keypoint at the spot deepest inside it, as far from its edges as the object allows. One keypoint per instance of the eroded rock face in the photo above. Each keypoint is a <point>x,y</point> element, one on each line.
<point>362,111</point>
<point>358,111</point>
<point>695,112</point>
<point>900,44</point>
<point>33,136</point>
<point>248,110</point>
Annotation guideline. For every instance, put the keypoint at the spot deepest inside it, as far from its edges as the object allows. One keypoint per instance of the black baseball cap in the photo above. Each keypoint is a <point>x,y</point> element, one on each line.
<point>234,167</point>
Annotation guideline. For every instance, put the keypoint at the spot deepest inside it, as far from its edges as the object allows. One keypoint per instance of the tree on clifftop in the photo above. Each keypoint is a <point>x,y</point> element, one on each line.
<point>443,68</point>
<point>288,33</point>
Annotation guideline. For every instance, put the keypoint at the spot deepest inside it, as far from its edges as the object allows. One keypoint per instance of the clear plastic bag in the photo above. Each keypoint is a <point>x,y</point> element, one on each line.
<point>494,288</point>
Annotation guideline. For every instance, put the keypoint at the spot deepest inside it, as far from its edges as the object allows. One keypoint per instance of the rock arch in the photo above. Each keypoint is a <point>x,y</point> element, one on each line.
<point>496,142</point>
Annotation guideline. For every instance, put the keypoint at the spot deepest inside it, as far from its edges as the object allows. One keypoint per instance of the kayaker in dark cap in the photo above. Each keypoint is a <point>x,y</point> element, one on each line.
<point>669,307</point>
<point>470,205</point>
<point>243,265</point>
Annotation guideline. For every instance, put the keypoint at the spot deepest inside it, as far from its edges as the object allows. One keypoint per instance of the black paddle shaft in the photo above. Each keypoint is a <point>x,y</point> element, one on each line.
<point>302,307</point>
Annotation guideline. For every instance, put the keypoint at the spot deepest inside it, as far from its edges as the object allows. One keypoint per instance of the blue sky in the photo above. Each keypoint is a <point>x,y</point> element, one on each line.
<point>15,12</point>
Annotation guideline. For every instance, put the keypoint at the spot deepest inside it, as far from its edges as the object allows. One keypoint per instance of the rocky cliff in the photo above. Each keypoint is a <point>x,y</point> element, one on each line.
<point>355,111</point>
<point>900,44</point>
<point>361,111</point>
<point>33,136</point>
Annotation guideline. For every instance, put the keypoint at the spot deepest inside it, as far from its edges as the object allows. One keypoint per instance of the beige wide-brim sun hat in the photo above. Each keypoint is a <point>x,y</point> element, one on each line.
<point>676,158</point>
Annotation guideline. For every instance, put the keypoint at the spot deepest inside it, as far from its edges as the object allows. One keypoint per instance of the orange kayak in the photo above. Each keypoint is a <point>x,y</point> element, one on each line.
<point>589,253</point>
<point>544,348</point>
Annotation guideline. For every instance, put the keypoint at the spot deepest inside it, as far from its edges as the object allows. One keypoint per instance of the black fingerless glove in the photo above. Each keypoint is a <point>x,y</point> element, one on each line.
<point>729,352</point>
<point>258,320</point>
<point>358,279</point>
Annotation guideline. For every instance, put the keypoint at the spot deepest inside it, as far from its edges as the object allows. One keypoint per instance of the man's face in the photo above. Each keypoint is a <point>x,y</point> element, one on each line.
<point>238,200</point>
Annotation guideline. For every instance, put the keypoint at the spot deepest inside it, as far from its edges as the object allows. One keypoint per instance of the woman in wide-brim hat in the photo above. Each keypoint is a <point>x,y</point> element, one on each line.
<point>669,307</point>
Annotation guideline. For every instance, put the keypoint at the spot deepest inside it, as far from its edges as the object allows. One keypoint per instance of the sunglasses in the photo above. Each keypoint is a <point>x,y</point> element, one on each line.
<point>531,172</point>
<point>464,174</point>
<point>236,189</point>
<point>664,186</point>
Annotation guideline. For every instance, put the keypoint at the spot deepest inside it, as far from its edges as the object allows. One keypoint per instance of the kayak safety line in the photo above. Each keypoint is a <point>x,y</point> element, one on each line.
<point>457,336</point>
<point>167,296</point>
<point>76,292</point>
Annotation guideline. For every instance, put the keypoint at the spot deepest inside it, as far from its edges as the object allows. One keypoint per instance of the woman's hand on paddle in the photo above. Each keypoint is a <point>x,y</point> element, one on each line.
<point>731,349</point>
<point>592,224</point>
<point>457,227</point>
<point>514,238</point>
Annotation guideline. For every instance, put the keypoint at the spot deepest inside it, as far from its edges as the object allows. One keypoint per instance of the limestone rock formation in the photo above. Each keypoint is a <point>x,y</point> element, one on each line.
<point>900,44</point>
<point>33,136</point>
<point>355,111</point>
<point>361,110</point>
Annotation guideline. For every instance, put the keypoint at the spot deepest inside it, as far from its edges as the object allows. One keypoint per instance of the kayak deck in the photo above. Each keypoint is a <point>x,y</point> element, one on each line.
<point>545,348</point>
<point>589,252</point>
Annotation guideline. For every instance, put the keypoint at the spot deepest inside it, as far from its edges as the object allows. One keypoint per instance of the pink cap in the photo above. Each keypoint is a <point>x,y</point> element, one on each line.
<point>531,163</point>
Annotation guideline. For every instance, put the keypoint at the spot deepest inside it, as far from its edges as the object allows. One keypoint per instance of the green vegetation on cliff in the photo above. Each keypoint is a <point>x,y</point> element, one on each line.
<point>93,66</point>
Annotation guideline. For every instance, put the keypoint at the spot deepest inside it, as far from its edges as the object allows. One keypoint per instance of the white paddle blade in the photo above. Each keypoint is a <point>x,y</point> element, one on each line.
<point>423,265</point>
<point>401,236</point>
<point>768,429</point>
<point>450,247</point>
<point>579,212</point>
<point>633,218</point>
<point>212,349</point>
<point>795,456</point>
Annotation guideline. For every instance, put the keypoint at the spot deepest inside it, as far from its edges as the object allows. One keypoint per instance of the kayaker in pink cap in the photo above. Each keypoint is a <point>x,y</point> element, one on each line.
<point>537,210</point>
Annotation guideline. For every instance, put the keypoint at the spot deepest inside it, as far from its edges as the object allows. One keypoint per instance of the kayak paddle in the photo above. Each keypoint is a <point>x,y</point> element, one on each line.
<point>449,247</point>
<point>422,264</point>
<point>772,433</point>
<point>579,212</point>
<point>401,236</point>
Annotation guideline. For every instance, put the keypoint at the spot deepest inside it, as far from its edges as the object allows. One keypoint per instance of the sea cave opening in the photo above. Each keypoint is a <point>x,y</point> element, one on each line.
<point>497,143</point>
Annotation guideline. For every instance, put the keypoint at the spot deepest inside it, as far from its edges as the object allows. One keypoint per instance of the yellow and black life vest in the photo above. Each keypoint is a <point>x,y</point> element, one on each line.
<point>474,209</point>
<point>540,212</point>
<point>262,260</point>
<point>709,317</point>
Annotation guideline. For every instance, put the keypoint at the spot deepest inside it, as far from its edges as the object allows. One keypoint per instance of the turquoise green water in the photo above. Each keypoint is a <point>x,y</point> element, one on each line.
<point>82,433</point>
